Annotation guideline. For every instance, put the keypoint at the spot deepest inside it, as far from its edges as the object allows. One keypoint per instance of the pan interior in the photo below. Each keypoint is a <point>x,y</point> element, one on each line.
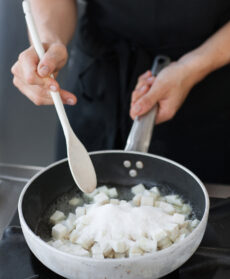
<point>53,188</point>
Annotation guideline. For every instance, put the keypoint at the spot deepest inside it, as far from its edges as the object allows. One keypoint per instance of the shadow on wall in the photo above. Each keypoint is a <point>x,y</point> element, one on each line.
<point>27,132</point>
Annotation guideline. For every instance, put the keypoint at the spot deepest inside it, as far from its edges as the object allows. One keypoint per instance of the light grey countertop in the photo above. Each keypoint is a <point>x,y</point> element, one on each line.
<point>14,177</point>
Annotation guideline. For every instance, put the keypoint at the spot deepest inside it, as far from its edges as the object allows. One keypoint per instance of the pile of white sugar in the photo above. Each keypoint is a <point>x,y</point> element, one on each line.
<point>107,227</point>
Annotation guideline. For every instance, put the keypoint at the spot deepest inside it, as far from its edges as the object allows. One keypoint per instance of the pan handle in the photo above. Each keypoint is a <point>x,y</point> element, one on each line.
<point>141,132</point>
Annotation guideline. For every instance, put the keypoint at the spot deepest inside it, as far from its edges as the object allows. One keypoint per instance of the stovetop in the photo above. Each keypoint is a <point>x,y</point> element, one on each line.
<point>210,261</point>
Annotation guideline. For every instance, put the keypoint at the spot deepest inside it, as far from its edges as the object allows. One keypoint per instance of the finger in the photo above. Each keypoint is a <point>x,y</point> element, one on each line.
<point>146,102</point>
<point>68,98</point>
<point>145,75</point>
<point>146,81</point>
<point>137,94</point>
<point>165,112</point>
<point>53,60</point>
<point>34,93</point>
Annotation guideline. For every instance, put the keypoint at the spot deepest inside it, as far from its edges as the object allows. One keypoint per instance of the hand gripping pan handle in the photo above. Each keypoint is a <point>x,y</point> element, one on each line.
<point>141,132</point>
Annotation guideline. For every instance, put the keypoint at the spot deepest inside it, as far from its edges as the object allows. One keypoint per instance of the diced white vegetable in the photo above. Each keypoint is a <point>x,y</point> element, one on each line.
<point>103,189</point>
<point>112,192</point>
<point>184,231</point>
<point>147,245</point>
<point>186,209</point>
<point>155,190</point>
<point>80,211</point>
<point>114,201</point>
<point>59,231</point>
<point>147,200</point>
<point>85,241</point>
<point>119,246</point>
<point>58,216</point>
<point>172,231</point>
<point>91,195</point>
<point>174,199</point>
<point>79,251</point>
<point>138,189</point>
<point>106,248</point>
<point>137,200</point>
<point>101,198</point>
<point>194,223</point>
<point>75,201</point>
<point>97,251</point>
<point>178,218</point>
<point>164,243</point>
<point>123,203</point>
<point>135,251</point>
<point>119,255</point>
<point>75,234</point>
<point>158,234</point>
<point>165,206</point>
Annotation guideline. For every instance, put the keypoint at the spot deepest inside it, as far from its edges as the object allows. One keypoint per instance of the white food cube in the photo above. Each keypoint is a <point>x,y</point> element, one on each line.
<point>119,255</point>
<point>112,192</point>
<point>106,248</point>
<point>119,246</point>
<point>101,198</point>
<point>184,231</point>
<point>172,231</point>
<point>103,189</point>
<point>58,216</point>
<point>135,250</point>
<point>114,201</point>
<point>123,203</point>
<point>147,245</point>
<point>137,200</point>
<point>97,251</point>
<point>80,211</point>
<point>75,234</point>
<point>186,209</point>
<point>85,241</point>
<point>158,234</point>
<point>174,199</point>
<point>194,223</point>
<point>147,200</point>
<point>164,243</point>
<point>75,201</point>
<point>138,189</point>
<point>178,218</point>
<point>91,195</point>
<point>79,251</point>
<point>155,190</point>
<point>167,207</point>
<point>59,231</point>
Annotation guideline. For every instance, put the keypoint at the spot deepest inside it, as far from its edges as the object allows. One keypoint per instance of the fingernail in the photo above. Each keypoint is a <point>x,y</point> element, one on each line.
<point>143,88</point>
<point>53,88</point>
<point>137,108</point>
<point>44,70</point>
<point>150,79</point>
<point>70,101</point>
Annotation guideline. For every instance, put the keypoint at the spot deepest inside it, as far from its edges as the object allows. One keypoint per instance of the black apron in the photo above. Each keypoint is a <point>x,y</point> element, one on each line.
<point>116,41</point>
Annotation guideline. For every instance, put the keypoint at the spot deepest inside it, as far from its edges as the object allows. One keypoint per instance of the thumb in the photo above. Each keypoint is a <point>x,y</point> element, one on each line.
<point>53,60</point>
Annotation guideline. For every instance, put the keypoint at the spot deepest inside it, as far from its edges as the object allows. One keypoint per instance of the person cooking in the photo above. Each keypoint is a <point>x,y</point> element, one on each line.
<point>108,70</point>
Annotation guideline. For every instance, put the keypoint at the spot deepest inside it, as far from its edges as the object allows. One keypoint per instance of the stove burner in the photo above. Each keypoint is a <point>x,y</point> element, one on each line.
<point>210,261</point>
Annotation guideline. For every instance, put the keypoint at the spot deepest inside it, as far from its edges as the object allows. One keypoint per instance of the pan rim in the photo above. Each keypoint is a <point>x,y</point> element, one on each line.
<point>107,260</point>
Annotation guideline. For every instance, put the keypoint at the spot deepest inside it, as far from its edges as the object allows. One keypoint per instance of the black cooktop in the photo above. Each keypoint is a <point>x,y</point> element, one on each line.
<point>211,260</point>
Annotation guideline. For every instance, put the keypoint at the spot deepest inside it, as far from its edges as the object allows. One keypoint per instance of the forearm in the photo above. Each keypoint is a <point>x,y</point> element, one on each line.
<point>211,55</point>
<point>55,19</point>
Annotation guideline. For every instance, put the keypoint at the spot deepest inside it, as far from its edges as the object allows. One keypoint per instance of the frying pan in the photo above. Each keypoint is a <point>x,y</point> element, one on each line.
<point>48,190</point>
